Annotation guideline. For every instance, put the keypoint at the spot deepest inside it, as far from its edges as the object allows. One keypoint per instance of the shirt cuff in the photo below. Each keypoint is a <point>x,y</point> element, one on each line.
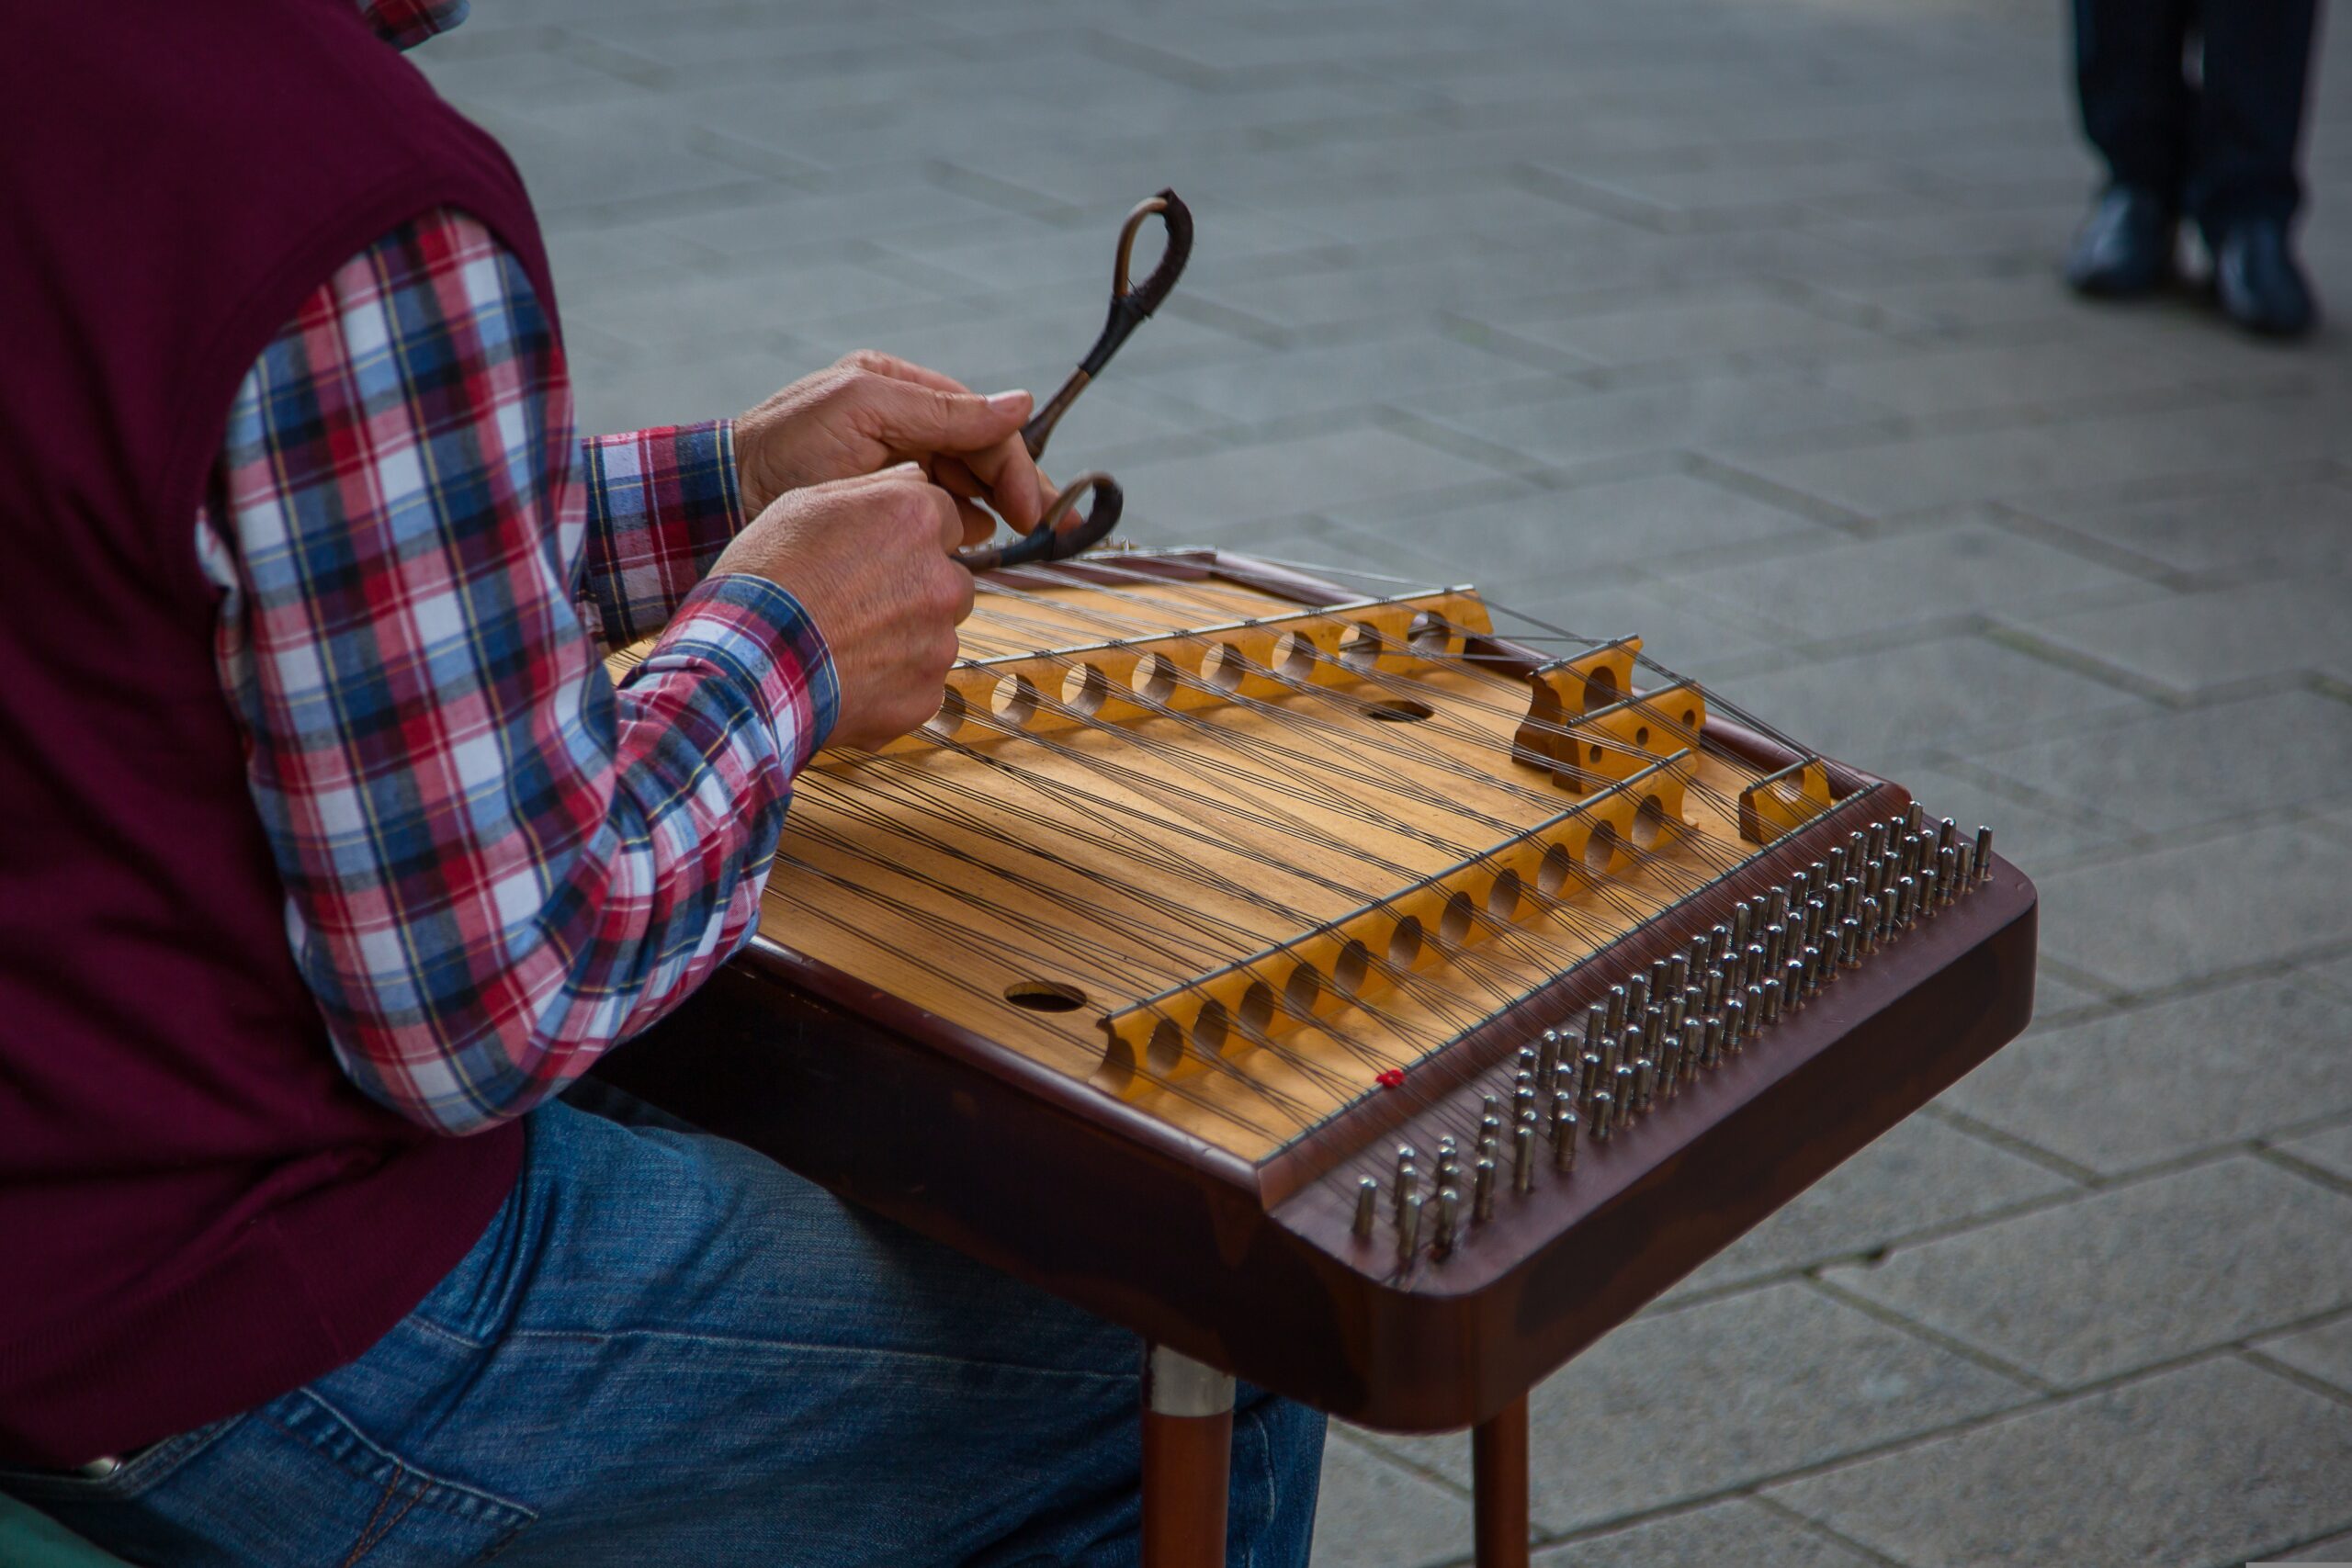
<point>762,637</point>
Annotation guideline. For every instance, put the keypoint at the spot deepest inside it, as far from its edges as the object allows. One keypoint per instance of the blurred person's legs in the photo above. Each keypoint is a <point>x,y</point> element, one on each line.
<point>2243,186</point>
<point>2140,111</point>
<point>668,1350</point>
<point>2222,150</point>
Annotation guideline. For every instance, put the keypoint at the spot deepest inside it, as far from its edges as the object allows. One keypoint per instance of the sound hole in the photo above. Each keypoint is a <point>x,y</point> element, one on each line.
<point>1649,822</point>
<point>1167,1047</point>
<point>1405,942</point>
<point>1429,634</point>
<point>1689,717</point>
<point>1600,846</point>
<point>1227,664</point>
<point>1502,898</point>
<point>1155,677</point>
<point>1301,989</point>
<point>1209,1029</point>
<point>1348,973</point>
<point>1599,689</point>
<point>1642,735</point>
<point>1552,875</point>
<point>1295,655</point>
<point>1085,689</point>
<point>1015,700</point>
<point>1257,1008</point>
<point>1454,924</point>
<point>1045,996</point>
<point>1401,712</point>
<point>1360,644</point>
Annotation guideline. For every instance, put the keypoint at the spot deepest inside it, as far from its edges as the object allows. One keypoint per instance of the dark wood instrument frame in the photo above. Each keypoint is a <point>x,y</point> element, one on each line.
<point>1254,1269</point>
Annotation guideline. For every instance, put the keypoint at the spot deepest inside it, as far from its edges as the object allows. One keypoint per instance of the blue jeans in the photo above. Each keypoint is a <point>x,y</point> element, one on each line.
<point>667,1349</point>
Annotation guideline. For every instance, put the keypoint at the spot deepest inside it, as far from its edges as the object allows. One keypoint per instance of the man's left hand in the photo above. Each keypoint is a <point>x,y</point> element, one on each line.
<point>872,410</point>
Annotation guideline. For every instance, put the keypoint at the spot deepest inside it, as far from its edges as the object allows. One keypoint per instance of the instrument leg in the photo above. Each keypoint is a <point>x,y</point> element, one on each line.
<point>1499,1474</point>
<point>1187,1460</point>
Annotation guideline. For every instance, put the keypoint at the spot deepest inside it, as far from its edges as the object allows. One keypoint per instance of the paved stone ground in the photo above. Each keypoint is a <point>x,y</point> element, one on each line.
<point>1734,324</point>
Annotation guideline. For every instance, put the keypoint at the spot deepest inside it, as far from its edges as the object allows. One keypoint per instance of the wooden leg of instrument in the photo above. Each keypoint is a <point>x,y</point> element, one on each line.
<point>1187,1461</point>
<point>1499,1474</point>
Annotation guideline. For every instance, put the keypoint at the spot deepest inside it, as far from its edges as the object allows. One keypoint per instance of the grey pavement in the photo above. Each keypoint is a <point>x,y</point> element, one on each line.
<point>1734,324</point>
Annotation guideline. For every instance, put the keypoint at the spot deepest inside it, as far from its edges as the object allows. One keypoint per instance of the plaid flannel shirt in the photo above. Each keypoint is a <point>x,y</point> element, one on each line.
<point>496,864</point>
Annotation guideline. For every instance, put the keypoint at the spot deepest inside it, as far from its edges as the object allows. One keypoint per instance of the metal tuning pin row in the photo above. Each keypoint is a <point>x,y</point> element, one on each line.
<point>1653,1035</point>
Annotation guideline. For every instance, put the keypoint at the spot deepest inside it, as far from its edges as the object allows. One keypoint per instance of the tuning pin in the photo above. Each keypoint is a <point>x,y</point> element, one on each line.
<point>1741,927</point>
<point>1914,817</point>
<point>1849,944</point>
<point>1834,865</point>
<point>1947,875</point>
<point>1367,1201</point>
<point>1966,869</point>
<point>1907,902</point>
<point>1449,1162</point>
<point>1946,832</point>
<point>1753,964</point>
<point>1772,1000</point>
<point>1737,1019</point>
<point>1875,841</point>
<point>1637,997</point>
<point>1449,1221</point>
<point>1776,905</point>
<point>1547,1053</point>
<point>1408,1225</point>
<point>1563,1140</point>
<point>1604,1109</point>
<point>1614,1018</point>
<point>1626,1093</point>
<point>1482,1190</point>
<point>1719,946</point>
<point>1800,887</point>
<point>1408,1186</point>
<point>1670,1065</point>
<point>1522,1153</point>
<point>1711,1043</point>
<point>1776,947</point>
<point>1983,854</point>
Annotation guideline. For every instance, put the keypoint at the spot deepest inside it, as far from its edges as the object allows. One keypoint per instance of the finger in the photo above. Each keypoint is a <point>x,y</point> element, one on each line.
<point>920,421</point>
<point>951,521</point>
<point>979,525</point>
<point>1010,476</point>
<point>951,475</point>
<point>967,591</point>
<point>900,369</point>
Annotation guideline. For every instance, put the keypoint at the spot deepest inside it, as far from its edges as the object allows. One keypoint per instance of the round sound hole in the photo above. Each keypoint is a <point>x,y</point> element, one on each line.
<point>1045,996</point>
<point>1399,712</point>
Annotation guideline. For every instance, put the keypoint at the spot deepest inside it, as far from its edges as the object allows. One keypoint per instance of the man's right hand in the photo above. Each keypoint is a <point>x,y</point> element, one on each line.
<point>868,559</point>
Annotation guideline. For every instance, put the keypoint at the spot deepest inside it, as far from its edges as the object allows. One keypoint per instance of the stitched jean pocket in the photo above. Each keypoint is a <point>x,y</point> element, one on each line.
<point>290,1484</point>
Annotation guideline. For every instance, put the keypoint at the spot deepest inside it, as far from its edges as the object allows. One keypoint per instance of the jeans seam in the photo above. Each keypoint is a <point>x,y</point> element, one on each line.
<point>429,1482</point>
<point>802,1348</point>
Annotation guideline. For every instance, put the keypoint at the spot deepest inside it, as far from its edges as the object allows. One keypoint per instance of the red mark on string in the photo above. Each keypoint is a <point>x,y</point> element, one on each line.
<point>1393,1078</point>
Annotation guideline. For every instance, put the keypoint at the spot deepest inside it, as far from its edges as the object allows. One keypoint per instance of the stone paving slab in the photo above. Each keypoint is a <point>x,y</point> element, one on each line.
<point>1923,1175</point>
<point>2178,913</point>
<point>2330,1150</point>
<point>1854,586</point>
<point>1737,1534</point>
<point>2307,525</point>
<point>1682,1405</point>
<point>1880,706</point>
<point>1548,537</point>
<point>2197,641</point>
<point>2188,767</point>
<point>1374,1513</point>
<point>2207,1465</point>
<point>2324,1352</point>
<point>2155,1082</point>
<point>2033,829</point>
<point>2130,1277</point>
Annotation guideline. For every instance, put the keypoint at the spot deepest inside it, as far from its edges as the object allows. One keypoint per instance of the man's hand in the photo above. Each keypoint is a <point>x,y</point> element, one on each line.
<point>867,558</point>
<point>870,410</point>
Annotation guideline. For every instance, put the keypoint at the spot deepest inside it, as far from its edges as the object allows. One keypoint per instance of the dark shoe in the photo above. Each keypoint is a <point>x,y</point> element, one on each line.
<point>2125,245</point>
<point>2259,286</point>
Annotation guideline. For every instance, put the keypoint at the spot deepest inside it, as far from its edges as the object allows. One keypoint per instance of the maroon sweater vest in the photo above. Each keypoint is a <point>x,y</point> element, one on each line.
<point>198,1213</point>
